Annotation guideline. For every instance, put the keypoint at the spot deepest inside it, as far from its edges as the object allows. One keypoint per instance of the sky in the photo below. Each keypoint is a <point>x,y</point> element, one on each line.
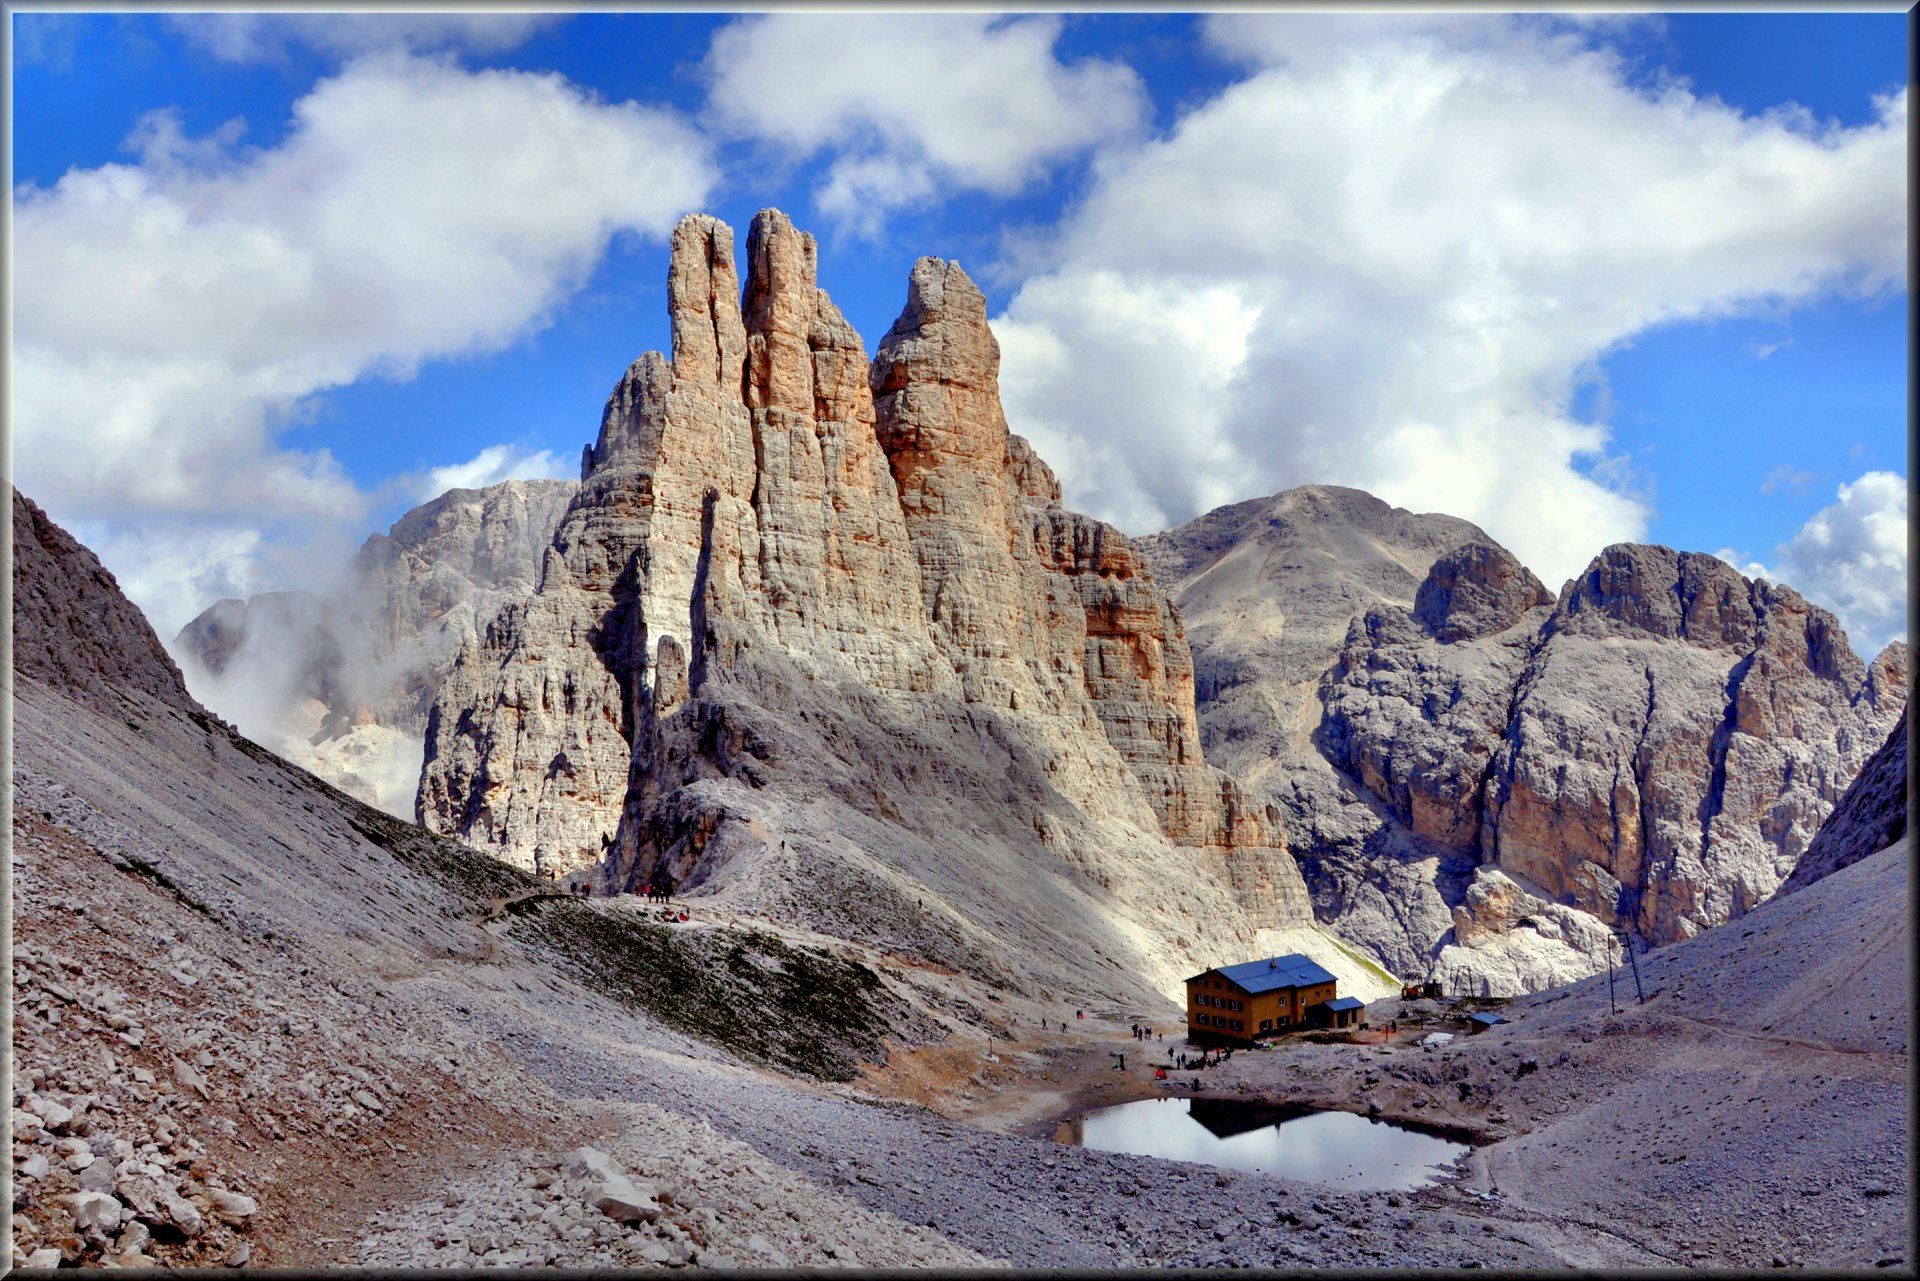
<point>279,277</point>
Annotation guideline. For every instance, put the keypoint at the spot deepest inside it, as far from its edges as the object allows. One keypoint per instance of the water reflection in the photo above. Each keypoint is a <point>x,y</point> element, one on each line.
<point>1349,1151</point>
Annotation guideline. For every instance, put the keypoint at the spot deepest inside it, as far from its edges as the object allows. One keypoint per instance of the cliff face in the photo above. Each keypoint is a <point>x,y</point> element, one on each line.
<point>1497,777</point>
<point>817,635</point>
<point>1678,738</point>
<point>1270,590</point>
<point>340,680</point>
<point>1870,817</point>
<point>74,631</point>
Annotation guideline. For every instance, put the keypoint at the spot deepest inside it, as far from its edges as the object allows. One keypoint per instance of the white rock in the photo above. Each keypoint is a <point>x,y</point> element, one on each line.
<point>230,1207</point>
<point>53,1115</point>
<point>619,1199</point>
<point>95,1211</point>
<point>134,1238</point>
<point>45,1257</point>
<point>592,1163</point>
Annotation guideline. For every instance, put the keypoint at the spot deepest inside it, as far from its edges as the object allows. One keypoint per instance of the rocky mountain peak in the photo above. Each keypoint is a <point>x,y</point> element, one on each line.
<point>1656,591</point>
<point>72,628</point>
<point>803,600</point>
<point>1475,590</point>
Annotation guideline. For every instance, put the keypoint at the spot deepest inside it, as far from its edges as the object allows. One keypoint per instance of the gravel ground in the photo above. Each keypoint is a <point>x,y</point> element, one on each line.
<point>1753,1112</point>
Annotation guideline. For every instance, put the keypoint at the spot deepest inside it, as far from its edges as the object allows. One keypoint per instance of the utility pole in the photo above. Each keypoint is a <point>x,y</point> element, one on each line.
<point>1611,1007</point>
<point>1626,940</point>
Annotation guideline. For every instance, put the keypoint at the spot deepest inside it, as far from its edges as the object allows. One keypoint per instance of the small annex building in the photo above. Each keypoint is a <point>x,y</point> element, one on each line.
<point>1239,1003</point>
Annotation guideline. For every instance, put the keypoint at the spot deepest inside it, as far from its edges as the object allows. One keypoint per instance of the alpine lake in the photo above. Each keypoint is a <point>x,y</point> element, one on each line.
<point>1341,1149</point>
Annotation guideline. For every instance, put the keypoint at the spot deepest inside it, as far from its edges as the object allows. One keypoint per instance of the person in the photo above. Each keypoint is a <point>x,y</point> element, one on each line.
<point>1169,1051</point>
<point>1123,1062</point>
<point>1079,1014</point>
<point>1134,1029</point>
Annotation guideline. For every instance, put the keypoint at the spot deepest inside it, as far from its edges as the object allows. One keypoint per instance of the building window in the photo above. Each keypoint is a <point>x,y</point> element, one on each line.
<point>1237,1025</point>
<point>1265,1024</point>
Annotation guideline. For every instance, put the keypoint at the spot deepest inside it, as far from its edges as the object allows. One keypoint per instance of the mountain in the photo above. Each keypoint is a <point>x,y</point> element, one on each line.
<point>1480,779</point>
<point>253,1016</point>
<point>340,680</point>
<point>1871,816</point>
<point>816,637</point>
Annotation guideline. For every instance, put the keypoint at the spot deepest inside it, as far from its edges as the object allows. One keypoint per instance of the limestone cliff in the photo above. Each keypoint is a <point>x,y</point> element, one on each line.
<point>1271,590</point>
<point>73,630</point>
<point>339,680</point>
<point>1496,777</point>
<point>816,637</point>
<point>1870,817</point>
<point>1678,738</point>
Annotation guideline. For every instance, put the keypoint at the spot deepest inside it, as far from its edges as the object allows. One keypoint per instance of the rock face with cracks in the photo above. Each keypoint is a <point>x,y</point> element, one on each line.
<point>1483,779</point>
<point>817,637</point>
<point>1870,817</point>
<point>340,680</point>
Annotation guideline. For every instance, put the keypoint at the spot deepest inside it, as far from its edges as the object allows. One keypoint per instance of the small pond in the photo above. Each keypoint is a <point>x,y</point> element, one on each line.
<point>1340,1148</point>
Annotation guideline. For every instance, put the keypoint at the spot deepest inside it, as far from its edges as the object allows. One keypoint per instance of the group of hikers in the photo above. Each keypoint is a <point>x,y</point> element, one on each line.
<point>1204,1059</point>
<point>1144,1033</point>
<point>661,891</point>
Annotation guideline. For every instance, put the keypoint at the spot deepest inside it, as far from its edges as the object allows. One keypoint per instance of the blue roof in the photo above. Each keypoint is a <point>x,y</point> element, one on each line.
<point>1346,1003</point>
<point>1291,970</point>
<point>1488,1019</point>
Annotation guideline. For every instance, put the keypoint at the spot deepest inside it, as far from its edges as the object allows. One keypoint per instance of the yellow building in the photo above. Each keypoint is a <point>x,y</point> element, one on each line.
<point>1258,998</point>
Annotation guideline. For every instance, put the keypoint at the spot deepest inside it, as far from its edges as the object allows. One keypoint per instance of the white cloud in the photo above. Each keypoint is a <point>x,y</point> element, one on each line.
<point>1851,557</point>
<point>268,37</point>
<point>1431,229</point>
<point>490,466</point>
<point>973,101</point>
<point>171,314</point>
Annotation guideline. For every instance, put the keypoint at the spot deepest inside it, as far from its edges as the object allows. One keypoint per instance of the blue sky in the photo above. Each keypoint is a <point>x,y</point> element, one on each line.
<point>1635,278</point>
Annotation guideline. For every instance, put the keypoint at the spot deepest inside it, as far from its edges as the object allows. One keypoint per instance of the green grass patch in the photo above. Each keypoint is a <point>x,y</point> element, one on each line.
<point>800,1010</point>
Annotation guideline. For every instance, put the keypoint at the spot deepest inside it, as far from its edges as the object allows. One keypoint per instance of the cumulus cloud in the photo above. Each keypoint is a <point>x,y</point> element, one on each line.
<point>1850,557</point>
<point>1418,235</point>
<point>269,37</point>
<point>911,103</point>
<point>490,466</point>
<point>172,313</point>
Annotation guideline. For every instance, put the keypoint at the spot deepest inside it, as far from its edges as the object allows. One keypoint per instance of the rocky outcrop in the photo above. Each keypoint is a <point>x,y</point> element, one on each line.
<point>1677,739</point>
<point>817,636</point>
<point>1870,817</point>
<point>74,631</point>
<point>1414,710</point>
<point>340,680</point>
<point>1495,778</point>
<point>429,584</point>
<point>1271,590</point>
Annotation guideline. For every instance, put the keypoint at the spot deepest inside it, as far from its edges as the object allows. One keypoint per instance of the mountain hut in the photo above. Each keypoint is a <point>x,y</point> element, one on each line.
<point>1233,1004</point>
